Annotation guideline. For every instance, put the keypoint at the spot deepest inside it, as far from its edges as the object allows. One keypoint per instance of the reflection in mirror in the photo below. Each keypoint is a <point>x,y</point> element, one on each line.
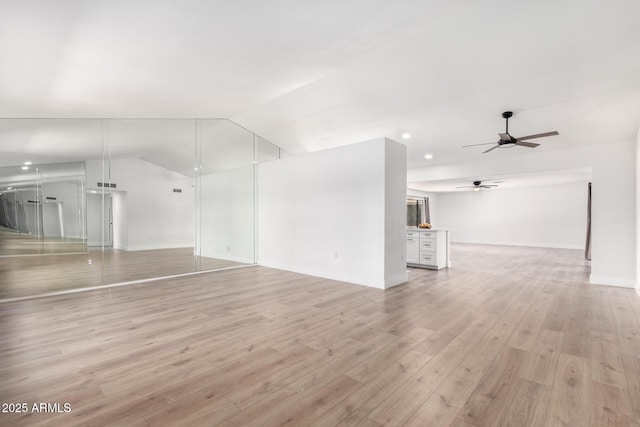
<point>119,200</point>
<point>41,209</point>
<point>266,151</point>
<point>225,175</point>
<point>147,195</point>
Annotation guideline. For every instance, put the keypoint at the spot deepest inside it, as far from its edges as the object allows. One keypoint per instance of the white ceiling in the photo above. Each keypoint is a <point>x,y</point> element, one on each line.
<point>318,74</point>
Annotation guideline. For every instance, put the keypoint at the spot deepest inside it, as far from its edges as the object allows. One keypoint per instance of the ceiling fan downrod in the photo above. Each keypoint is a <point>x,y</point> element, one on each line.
<point>506,116</point>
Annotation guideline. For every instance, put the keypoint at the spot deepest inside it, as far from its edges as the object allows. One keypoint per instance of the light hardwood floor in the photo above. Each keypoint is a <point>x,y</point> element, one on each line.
<point>38,274</point>
<point>506,337</point>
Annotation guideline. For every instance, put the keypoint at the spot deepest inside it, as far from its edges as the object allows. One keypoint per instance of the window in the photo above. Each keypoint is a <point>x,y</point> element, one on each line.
<point>417,211</point>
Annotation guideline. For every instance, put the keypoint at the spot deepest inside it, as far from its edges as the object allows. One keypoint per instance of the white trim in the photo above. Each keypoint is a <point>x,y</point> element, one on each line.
<point>612,281</point>
<point>370,282</point>
<point>399,279</point>
<point>155,247</point>
<point>529,244</point>
<point>115,285</point>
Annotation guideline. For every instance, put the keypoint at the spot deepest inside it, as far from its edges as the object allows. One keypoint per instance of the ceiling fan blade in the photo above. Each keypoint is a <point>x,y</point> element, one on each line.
<point>488,186</point>
<point>538,135</point>
<point>505,137</point>
<point>492,148</point>
<point>474,145</point>
<point>527,144</point>
<point>466,186</point>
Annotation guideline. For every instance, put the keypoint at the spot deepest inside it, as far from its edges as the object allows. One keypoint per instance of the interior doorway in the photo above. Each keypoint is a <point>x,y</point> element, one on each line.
<point>99,220</point>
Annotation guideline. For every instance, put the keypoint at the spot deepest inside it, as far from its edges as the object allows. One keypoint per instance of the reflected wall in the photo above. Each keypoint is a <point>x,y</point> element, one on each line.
<point>124,200</point>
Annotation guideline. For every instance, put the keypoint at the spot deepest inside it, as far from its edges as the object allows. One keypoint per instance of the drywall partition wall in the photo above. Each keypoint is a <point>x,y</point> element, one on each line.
<point>335,213</point>
<point>433,204</point>
<point>156,217</point>
<point>613,219</point>
<point>549,216</point>
<point>395,217</point>
<point>227,215</point>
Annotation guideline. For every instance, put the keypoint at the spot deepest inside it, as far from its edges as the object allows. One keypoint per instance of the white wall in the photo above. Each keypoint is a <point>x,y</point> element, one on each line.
<point>156,217</point>
<point>549,216</point>
<point>638,212</point>
<point>433,204</point>
<point>336,213</point>
<point>613,205</point>
<point>227,209</point>
<point>395,216</point>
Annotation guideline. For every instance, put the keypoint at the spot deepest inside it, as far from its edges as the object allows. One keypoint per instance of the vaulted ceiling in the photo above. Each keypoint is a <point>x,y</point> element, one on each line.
<point>309,75</point>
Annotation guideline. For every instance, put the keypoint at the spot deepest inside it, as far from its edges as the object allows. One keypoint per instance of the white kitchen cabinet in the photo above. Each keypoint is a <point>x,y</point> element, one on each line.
<point>428,248</point>
<point>413,247</point>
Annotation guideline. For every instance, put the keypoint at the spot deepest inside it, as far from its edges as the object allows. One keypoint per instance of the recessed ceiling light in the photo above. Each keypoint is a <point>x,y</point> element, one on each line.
<point>406,135</point>
<point>428,156</point>
<point>27,163</point>
<point>24,168</point>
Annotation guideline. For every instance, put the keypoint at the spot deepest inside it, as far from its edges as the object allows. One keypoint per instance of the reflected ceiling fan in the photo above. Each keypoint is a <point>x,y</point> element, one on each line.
<point>506,140</point>
<point>477,185</point>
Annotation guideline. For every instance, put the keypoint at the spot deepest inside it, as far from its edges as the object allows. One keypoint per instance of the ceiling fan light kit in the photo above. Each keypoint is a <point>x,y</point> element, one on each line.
<point>508,141</point>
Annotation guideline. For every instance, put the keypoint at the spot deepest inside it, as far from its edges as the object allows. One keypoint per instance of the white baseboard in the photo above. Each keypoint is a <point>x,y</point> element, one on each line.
<point>154,247</point>
<point>529,244</point>
<point>370,282</point>
<point>612,281</point>
<point>226,256</point>
<point>399,279</point>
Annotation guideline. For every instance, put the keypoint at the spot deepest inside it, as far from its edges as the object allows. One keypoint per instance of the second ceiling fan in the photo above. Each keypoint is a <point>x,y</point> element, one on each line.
<point>477,185</point>
<point>506,140</point>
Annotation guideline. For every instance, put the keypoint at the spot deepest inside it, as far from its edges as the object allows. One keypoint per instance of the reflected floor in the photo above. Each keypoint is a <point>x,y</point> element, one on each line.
<point>33,275</point>
<point>12,243</point>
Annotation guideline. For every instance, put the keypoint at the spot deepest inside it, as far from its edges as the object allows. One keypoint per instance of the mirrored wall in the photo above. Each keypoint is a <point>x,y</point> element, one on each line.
<point>88,202</point>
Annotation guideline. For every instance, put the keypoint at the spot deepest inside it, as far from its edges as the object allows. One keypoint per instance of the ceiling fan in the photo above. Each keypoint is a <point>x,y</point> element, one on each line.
<point>477,185</point>
<point>506,140</point>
